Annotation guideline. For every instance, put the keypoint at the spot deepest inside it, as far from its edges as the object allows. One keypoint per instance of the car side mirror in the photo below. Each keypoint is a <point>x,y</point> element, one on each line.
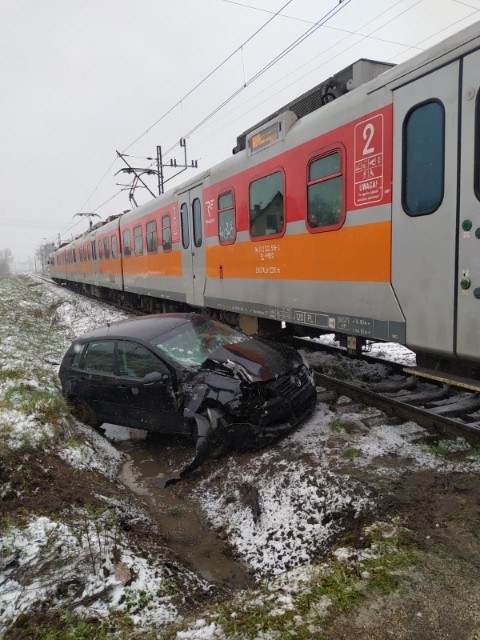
<point>154,377</point>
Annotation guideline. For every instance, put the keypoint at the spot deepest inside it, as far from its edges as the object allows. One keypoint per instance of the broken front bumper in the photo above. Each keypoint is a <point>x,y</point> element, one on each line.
<point>278,416</point>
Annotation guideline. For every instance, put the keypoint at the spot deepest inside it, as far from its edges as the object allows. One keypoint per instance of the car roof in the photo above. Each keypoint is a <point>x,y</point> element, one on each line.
<point>142,328</point>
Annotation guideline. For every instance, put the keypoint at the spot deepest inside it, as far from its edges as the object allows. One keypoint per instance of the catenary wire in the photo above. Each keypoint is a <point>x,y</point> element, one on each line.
<point>222,63</point>
<point>205,78</point>
<point>268,66</point>
<point>295,71</point>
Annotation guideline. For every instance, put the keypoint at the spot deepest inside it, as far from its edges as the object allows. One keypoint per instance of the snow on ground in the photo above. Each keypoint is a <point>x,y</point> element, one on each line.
<point>278,509</point>
<point>388,350</point>
<point>79,314</point>
<point>54,563</point>
<point>288,503</point>
<point>94,453</point>
<point>300,507</point>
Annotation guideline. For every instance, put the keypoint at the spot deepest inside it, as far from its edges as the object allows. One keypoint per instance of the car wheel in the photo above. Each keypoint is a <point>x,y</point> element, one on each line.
<point>218,447</point>
<point>84,412</point>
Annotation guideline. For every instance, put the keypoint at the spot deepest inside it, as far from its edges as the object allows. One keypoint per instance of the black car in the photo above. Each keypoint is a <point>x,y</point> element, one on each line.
<point>185,373</point>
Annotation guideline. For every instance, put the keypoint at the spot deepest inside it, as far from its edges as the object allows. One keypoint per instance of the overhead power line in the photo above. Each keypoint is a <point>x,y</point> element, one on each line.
<point>249,6</point>
<point>310,31</point>
<point>189,93</point>
<point>295,71</point>
<point>209,75</point>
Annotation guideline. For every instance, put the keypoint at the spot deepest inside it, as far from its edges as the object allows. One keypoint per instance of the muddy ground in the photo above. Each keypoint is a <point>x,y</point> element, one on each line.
<point>438,596</point>
<point>237,537</point>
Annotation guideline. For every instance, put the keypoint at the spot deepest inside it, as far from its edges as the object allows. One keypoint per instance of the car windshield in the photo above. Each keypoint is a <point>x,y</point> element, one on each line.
<point>193,342</point>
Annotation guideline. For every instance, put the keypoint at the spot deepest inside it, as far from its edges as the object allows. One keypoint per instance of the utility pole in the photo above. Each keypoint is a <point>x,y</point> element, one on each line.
<point>139,171</point>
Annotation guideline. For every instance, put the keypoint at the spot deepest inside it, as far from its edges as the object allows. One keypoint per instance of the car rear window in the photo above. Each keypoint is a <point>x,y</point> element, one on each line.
<point>193,342</point>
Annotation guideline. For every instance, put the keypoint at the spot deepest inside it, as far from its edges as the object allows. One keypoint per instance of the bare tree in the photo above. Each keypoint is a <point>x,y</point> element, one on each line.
<point>6,258</point>
<point>43,253</point>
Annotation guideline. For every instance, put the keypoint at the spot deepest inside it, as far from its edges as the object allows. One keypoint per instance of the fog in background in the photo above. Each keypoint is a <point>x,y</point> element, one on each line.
<point>80,80</point>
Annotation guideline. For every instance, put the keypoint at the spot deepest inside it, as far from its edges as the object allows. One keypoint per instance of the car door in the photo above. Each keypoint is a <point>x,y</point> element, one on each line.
<point>144,404</point>
<point>95,379</point>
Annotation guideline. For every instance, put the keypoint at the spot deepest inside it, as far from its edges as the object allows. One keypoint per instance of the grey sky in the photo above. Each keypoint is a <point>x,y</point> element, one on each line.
<point>81,79</point>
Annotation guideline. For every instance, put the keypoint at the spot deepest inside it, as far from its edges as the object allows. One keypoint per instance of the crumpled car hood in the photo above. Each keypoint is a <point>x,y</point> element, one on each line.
<point>253,360</point>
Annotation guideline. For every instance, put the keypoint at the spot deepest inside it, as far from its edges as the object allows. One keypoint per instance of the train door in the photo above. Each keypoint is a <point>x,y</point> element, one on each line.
<point>93,248</point>
<point>424,207</point>
<point>193,244</point>
<point>468,234</point>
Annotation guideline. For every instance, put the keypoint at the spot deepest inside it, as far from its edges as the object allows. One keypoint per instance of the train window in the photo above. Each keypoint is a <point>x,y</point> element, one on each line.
<point>137,241</point>
<point>185,228</point>
<point>151,230</point>
<point>89,252</point>
<point>197,222</point>
<point>114,244</point>
<point>266,206</point>
<point>126,243</point>
<point>100,250</point>
<point>166,233</point>
<point>106,247</point>
<point>227,230</point>
<point>423,158</point>
<point>324,192</point>
<point>94,249</point>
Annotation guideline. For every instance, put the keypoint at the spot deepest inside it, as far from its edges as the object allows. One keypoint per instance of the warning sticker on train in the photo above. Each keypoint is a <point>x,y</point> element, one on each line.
<point>369,160</point>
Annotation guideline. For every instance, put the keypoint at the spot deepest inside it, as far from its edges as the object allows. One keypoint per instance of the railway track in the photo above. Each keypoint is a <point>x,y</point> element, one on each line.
<point>442,404</point>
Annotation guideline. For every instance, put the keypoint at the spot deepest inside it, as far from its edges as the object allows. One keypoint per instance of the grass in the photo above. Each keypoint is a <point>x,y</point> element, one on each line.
<point>46,406</point>
<point>29,386</point>
<point>337,425</point>
<point>446,448</point>
<point>336,589</point>
<point>177,512</point>
<point>58,625</point>
<point>351,452</point>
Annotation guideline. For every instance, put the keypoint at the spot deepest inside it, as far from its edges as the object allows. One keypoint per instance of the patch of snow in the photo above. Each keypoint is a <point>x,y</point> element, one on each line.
<point>202,631</point>
<point>301,507</point>
<point>19,430</point>
<point>59,563</point>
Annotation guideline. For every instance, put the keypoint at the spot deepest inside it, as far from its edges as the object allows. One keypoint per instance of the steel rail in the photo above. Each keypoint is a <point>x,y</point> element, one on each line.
<point>393,406</point>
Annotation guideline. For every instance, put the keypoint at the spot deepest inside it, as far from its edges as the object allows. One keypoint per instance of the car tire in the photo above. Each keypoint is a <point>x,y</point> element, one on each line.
<point>84,412</point>
<point>218,448</point>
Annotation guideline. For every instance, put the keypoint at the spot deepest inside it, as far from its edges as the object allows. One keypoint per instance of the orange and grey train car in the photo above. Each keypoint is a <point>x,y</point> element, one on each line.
<point>360,217</point>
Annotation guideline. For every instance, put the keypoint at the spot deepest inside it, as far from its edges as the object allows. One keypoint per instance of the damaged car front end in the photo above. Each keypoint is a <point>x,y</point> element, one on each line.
<point>264,390</point>
<point>187,374</point>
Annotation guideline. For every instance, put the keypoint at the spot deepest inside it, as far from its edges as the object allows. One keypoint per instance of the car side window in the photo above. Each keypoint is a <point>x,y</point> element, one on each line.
<point>77,355</point>
<point>98,356</point>
<point>136,361</point>
<point>151,236</point>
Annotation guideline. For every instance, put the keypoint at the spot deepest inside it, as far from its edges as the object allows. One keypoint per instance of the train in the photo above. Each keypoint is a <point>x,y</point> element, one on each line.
<point>353,209</point>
